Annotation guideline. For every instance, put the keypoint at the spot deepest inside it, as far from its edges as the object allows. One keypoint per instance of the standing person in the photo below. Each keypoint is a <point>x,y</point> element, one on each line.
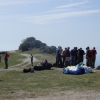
<point>81,53</point>
<point>64,56</point>
<point>94,52</point>
<point>6,55</point>
<point>31,59</point>
<point>76,53</point>
<point>72,54</point>
<point>68,56</point>
<point>0,57</point>
<point>58,56</point>
<point>88,57</point>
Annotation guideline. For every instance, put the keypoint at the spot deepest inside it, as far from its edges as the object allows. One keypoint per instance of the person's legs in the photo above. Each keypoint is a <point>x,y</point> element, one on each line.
<point>32,62</point>
<point>0,59</point>
<point>93,61</point>
<point>72,61</point>
<point>81,58</point>
<point>76,62</point>
<point>6,63</point>
<point>87,62</point>
<point>60,60</point>
<point>68,61</point>
<point>90,62</point>
<point>57,61</point>
<point>63,60</point>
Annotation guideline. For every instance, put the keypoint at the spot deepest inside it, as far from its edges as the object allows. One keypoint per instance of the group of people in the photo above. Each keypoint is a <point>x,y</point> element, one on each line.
<point>75,56</point>
<point>67,57</point>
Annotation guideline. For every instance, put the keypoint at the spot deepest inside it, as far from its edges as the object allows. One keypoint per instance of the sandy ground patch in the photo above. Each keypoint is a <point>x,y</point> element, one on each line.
<point>64,95</point>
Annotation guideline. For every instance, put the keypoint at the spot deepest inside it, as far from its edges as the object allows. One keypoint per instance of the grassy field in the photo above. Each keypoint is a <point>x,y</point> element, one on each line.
<point>16,84</point>
<point>40,55</point>
<point>42,83</point>
<point>13,59</point>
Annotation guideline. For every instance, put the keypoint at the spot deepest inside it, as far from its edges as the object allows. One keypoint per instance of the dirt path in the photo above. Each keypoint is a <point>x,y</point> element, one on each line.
<point>24,63</point>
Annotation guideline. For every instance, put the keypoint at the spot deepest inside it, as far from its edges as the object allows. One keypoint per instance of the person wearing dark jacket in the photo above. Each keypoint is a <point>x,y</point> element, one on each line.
<point>58,57</point>
<point>73,56</point>
<point>81,54</point>
<point>88,57</point>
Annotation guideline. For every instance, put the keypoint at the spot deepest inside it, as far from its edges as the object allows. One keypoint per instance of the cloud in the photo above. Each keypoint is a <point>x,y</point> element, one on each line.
<point>57,14</point>
<point>67,7</point>
<point>57,10</point>
<point>73,4</point>
<point>43,19</point>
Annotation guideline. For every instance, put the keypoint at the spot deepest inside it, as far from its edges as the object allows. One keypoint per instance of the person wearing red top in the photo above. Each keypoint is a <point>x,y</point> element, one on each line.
<point>6,55</point>
<point>94,52</point>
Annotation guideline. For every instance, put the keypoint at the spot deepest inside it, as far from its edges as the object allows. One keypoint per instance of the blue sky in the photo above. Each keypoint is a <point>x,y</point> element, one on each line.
<point>54,22</point>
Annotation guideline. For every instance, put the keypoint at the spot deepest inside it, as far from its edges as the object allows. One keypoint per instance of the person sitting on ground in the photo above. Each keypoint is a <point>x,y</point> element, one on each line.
<point>44,62</point>
<point>43,65</point>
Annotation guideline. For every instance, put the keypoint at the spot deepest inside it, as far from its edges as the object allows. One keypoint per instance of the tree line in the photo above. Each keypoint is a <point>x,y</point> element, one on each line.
<point>31,43</point>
